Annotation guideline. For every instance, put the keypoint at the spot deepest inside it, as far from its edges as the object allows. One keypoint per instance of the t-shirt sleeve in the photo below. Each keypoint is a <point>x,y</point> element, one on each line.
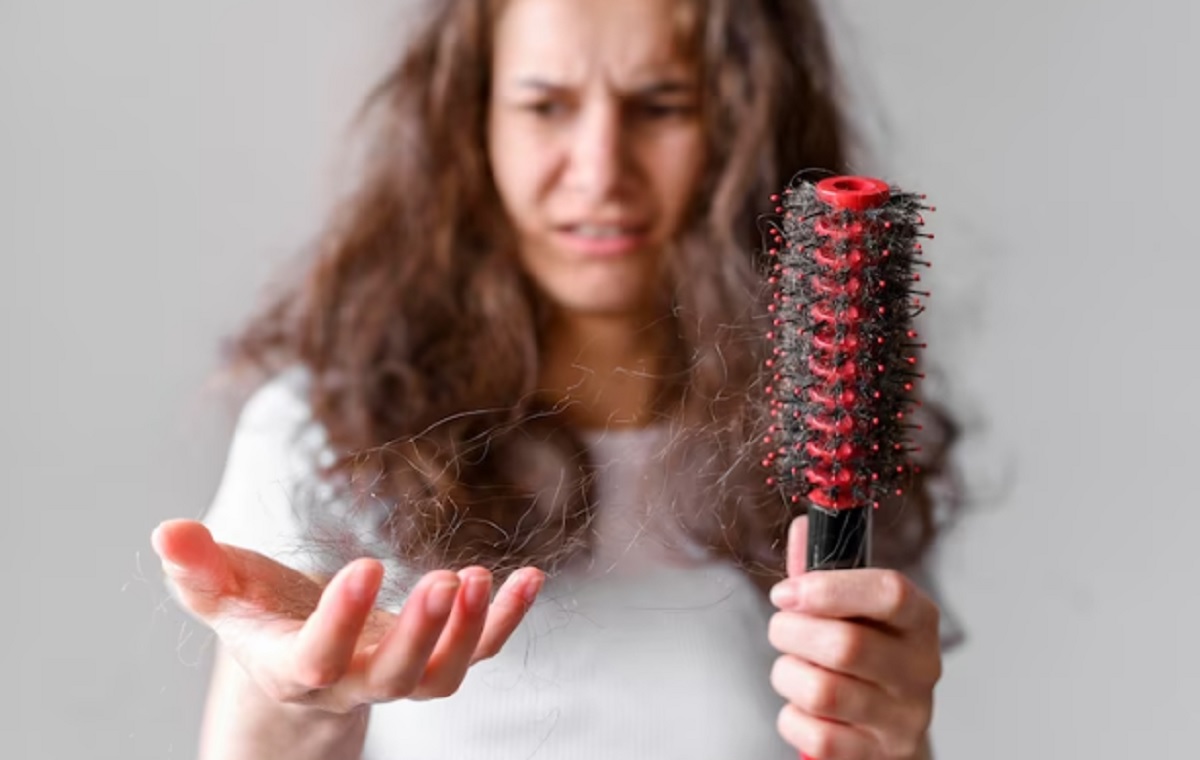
<point>270,479</point>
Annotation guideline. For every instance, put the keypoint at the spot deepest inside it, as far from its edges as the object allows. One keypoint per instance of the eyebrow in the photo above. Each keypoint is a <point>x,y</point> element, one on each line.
<point>664,87</point>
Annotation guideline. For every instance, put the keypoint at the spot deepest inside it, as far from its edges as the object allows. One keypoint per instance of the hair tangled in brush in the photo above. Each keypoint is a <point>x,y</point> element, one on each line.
<point>422,338</point>
<point>844,353</point>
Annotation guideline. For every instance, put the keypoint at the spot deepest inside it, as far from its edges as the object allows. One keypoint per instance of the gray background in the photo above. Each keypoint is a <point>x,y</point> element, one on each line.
<point>158,159</point>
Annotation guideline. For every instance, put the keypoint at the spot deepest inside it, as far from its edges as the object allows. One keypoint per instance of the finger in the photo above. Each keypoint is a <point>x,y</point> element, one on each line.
<point>851,649</point>
<point>326,642</point>
<point>882,596</point>
<point>833,696</point>
<point>452,656</point>
<point>797,547</point>
<point>821,739</point>
<point>394,669</point>
<point>512,602</point>
<point>196,565</point>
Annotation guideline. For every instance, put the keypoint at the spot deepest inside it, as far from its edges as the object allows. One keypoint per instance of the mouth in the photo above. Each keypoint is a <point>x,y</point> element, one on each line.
<point>603,239</point>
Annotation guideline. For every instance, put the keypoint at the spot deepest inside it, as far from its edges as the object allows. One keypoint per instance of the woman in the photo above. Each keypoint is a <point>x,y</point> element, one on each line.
<point>526,355</point>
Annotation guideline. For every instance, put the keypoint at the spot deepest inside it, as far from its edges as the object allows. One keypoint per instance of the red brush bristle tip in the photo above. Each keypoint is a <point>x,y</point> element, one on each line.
<point>841,373</point>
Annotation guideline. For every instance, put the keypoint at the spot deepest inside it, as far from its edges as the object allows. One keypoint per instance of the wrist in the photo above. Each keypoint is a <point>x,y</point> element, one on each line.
<point>924,751</point>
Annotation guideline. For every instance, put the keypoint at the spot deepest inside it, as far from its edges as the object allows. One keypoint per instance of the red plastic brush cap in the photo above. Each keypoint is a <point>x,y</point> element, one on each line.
<point>853,193</point>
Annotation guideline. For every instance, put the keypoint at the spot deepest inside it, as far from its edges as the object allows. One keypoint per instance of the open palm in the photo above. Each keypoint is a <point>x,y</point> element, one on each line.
<point>325,644</point>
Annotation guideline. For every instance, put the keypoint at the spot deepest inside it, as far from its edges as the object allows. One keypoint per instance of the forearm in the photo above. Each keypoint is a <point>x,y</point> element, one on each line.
<point>243,723</point>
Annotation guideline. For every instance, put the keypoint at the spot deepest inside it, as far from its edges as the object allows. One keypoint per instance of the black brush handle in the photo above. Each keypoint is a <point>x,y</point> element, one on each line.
<point>839,539</point>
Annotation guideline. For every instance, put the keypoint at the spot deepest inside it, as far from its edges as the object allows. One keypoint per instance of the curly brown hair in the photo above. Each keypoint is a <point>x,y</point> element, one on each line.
<point>421,336</point>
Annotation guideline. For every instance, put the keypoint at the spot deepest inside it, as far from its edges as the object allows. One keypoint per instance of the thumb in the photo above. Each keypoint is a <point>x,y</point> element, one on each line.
<point>797,564</point>
<point>193,562</point>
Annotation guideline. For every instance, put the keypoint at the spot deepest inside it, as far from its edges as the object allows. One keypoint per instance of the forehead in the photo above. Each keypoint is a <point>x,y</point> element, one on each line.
<point>578,40</point>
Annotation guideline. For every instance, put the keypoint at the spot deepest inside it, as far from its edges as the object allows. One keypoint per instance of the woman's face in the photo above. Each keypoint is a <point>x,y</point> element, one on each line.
<point>596,145</point>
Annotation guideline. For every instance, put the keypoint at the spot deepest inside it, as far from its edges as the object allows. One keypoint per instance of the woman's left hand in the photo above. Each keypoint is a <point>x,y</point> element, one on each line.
<point>860,658</point>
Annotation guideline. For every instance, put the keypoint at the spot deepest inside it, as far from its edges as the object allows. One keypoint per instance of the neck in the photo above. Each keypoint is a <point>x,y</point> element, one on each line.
<point>605,370</point>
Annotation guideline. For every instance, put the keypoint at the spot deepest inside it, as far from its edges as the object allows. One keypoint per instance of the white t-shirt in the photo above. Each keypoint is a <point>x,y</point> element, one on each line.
<point>647,651</point>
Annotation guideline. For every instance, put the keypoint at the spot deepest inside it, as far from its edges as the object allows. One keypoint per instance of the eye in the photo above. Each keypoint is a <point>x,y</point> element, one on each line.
<point>655,110</point>
<point>546,109</point>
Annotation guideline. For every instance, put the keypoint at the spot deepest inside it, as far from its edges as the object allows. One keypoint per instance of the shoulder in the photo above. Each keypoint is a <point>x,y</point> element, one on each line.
<point>276,425</point>
<point>274,497</point>
<point>271,470</point>
<point>280,404</point>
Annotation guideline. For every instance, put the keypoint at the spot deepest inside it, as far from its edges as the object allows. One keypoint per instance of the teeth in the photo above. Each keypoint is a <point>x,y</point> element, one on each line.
<point>599,231</point>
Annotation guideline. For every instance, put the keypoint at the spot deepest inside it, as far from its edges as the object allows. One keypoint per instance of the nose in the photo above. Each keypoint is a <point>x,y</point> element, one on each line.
<point>598,151</point>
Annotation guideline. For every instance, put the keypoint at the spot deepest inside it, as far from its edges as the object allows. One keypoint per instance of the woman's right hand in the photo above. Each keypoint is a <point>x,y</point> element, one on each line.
<point>327,646</point>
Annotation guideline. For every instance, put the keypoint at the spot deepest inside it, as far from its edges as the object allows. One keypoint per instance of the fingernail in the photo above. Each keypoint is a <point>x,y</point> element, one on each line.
<point>477,592</point>
<point>362,584</point>
<point>156,540</point>
<point>783,594</point>
<point>531,587</point>
<point>441,598</point>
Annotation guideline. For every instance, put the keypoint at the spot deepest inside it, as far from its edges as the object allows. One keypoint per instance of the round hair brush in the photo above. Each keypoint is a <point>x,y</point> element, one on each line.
<point>845,265</point>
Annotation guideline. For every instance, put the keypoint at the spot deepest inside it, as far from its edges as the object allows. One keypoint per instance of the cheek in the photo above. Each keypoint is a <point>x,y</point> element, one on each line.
<point>518,168</point>
<point>680,165</point>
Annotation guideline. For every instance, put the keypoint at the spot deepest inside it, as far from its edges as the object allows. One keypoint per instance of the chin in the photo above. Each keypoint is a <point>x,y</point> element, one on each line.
<point>590,305</point>
<point>579,294</point>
